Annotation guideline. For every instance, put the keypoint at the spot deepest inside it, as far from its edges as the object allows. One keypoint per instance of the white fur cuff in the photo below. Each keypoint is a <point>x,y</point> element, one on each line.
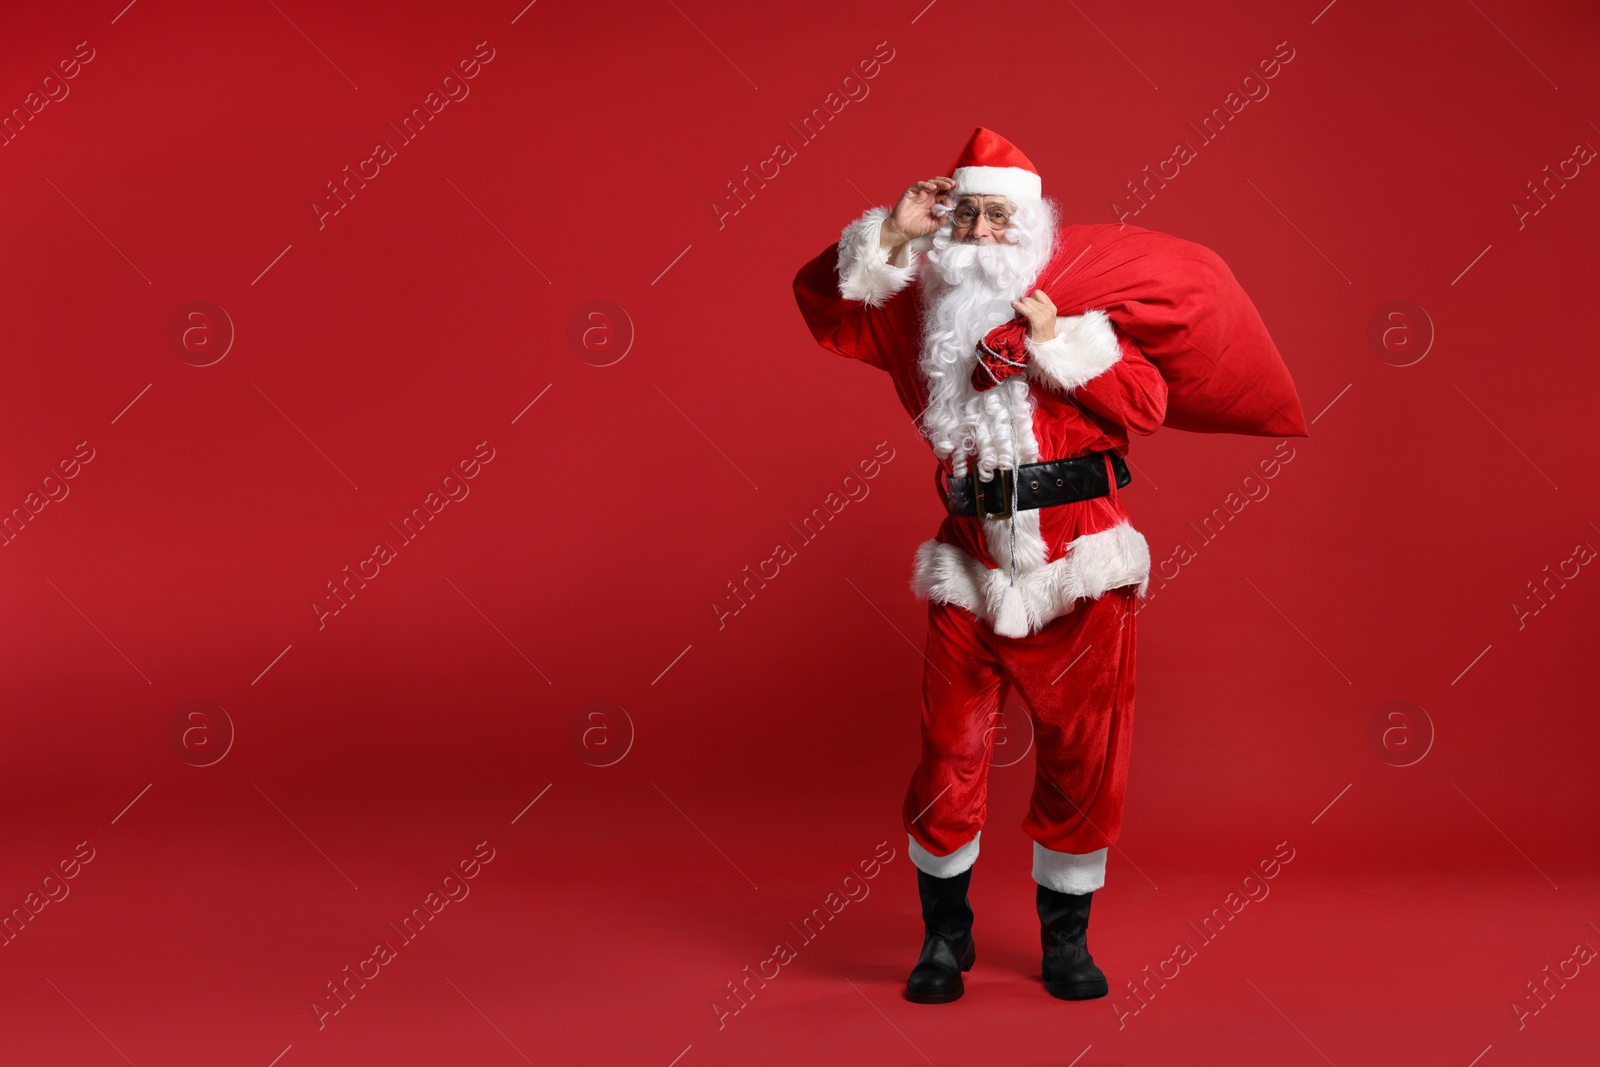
<point>1084,347</point>
<point>943,866</point>
<point>1068,872</point>
<point>865,273</point>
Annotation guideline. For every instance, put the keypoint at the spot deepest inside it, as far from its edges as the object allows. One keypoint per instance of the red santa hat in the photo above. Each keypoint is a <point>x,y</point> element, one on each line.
<point>990,165</point>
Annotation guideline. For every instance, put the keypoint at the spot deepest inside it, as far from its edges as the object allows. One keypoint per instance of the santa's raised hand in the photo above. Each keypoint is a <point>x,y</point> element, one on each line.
<point>913,216</point>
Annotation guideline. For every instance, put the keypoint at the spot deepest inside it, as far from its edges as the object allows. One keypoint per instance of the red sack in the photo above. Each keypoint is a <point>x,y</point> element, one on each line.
<point>1182,306</point>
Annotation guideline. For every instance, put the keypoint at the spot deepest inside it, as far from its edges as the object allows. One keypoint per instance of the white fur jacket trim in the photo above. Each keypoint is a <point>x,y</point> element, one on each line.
<point>1092,565</point>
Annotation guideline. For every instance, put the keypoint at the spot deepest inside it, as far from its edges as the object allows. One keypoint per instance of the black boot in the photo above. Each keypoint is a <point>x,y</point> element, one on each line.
<point>1068,969</point>
<point>947,945</point>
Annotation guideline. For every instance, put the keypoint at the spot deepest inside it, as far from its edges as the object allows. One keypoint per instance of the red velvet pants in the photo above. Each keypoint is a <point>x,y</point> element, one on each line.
<point>1076,676</point>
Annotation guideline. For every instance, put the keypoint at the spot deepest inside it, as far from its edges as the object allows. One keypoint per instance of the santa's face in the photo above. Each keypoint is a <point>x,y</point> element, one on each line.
<point>980,219</point>
<point>990,243</point>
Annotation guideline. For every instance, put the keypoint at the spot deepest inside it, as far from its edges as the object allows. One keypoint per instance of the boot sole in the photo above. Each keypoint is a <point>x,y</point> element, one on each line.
<point>1077,990</point>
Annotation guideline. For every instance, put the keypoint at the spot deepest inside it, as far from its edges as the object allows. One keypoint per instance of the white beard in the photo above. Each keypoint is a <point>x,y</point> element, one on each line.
<point>968,289</point>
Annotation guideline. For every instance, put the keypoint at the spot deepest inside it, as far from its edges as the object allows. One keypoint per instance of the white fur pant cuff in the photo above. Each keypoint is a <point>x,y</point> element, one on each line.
<point>943,866</point>
<point>1068,872</point>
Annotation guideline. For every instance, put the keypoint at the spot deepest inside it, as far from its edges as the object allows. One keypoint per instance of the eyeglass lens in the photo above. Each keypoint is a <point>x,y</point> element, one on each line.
<point>968,216</point>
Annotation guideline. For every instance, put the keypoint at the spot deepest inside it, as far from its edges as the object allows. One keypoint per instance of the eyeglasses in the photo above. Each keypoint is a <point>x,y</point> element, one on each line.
<point>966,216</point>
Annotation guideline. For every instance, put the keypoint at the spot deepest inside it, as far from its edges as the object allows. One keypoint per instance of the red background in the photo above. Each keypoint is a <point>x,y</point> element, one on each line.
<point>769,754</point>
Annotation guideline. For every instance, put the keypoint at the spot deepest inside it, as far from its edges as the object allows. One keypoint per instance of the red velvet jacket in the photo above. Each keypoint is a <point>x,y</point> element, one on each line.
<point>1091,386</point>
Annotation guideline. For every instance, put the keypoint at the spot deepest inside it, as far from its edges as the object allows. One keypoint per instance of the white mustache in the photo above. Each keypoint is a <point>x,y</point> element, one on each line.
<point>1000,264</point>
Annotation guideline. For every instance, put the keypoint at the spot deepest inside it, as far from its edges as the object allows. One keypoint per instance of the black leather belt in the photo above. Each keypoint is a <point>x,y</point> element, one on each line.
<point>1038,485</point>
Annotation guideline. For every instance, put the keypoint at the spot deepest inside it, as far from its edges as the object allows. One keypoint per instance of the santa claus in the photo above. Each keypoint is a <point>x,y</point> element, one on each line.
<point>1032,577</point>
